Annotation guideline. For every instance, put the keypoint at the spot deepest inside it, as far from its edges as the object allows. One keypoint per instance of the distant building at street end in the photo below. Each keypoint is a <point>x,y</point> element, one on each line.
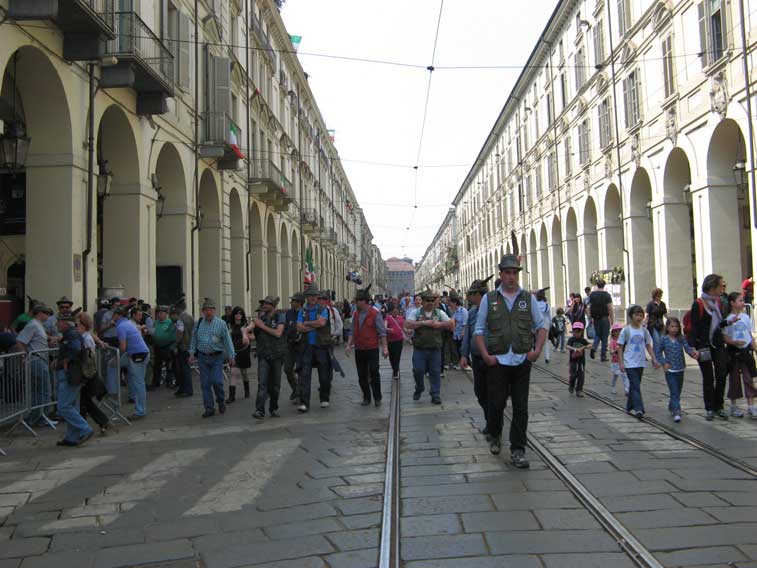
<point>400,275</point>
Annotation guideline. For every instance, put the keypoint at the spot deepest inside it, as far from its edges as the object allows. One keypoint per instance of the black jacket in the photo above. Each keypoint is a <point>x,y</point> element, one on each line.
<point>700,327</point>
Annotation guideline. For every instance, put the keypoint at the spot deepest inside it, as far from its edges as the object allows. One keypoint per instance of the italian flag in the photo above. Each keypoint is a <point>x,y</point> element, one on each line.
<point>234,134</point>
<point>309,276</point>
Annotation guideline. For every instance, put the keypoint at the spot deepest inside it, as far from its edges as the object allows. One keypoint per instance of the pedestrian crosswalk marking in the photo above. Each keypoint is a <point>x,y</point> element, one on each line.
<point>106,507</point>
<point>63,472</point>
<point>246,480</point>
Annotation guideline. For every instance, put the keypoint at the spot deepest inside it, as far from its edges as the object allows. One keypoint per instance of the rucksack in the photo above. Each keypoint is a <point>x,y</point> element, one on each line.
<point>337,326</point>
<point>88,363</point>
<point>686,320</point>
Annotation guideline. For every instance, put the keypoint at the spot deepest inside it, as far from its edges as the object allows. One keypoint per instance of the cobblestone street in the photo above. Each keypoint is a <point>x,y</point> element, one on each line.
<point>306,491</point>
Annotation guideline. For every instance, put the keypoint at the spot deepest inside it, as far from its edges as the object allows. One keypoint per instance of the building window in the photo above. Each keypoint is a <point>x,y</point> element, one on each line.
<point>527,192</point>
<point>631,92</point>
<point>538,181</point>
<point>599,42</point>
<point>712,31</point>
<point>584,153</point>
<point>550,111</point>
<point>537,126</point>
<point>624,16</point>
<point>580,68</point>
<point>667,66</point>
<point>561,51</point>
<point>551,172</point>
<point>605,124</point>
<point>525,136</point>
<point>564,89</point>
<point>568,157</point>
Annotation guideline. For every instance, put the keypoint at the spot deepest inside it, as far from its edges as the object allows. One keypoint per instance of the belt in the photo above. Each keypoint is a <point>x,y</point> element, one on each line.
<point>211,354</point>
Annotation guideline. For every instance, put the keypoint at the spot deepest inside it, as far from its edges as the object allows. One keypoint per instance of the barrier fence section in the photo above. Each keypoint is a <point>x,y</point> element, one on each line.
<point>109,371</point>
<point>42,376</point>
<point>14,391</point>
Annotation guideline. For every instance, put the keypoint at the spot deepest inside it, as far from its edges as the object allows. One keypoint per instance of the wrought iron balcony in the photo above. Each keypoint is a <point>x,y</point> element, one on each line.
<point>86,24</point>
<point>144,64</point>
<point>309,221</point>
<point>270,185</point>
<point>221,139</point>
<point>263,40</point>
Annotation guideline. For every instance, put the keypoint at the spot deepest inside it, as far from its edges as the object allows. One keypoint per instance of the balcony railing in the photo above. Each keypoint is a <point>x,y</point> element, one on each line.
<point>263,40</point>
<point>136,41</point>
<point>220,139</point>
<point>309,221</point>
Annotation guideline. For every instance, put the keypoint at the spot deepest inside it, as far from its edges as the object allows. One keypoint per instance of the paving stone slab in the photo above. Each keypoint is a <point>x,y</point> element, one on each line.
<point>432,480</point>
<point>515,561</point>
<point>588,560</point>
<point>355,540</point>
<point>359,506</point>
<point>294,530</point>
<point>536,500</point>
<point>427,525</point>
<point>550,541</point>
<point>702,556</point>
<point>134,555</point>
<point>94,540</point>
<point>20,547</point>
<point>667,518</point>
<point>364,521</point>
<point>499,521</point>
<point>181,528</point>
<point>210,542</point>
<point>262,552</point>
<point>474,488</point>
<point>680,538</point>
<point>312,562</point>
<point>699,499</point>
<point>447,546</point>
<point>639,503</point>
<point>566,519</point>
<point>353,559</point>
<point>439,505</point>
<point>60,559</point>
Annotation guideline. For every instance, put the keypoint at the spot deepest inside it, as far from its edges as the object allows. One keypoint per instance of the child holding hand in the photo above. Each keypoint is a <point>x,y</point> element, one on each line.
<point>632,341</point>
<point>576,346</point>
<point>669,352</point>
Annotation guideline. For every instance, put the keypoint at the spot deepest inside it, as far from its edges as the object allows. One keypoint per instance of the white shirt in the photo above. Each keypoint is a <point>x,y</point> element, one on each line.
<point>739,330</point>
<point>414,315</point>
<point>635,342</point>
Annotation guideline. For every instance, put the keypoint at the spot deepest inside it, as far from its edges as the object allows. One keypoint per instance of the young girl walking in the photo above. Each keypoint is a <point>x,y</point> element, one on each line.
<point>577,365</point>
<point>395,324</point>
<point>615,360</point>
<point>559,324</point>
<point>738,337</point>
<point>633,340</point>
<point>669,352</point>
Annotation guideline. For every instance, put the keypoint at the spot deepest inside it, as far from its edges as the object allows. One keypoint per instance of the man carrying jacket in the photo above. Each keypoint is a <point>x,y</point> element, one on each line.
<point>368,331</point>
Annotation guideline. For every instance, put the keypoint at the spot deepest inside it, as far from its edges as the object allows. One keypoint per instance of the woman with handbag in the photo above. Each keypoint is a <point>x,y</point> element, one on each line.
<point>92,385</point>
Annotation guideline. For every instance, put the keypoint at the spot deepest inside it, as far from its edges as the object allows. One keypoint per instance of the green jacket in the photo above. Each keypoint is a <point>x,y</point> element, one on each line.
<point>425,337</point>
<point>505,328</point>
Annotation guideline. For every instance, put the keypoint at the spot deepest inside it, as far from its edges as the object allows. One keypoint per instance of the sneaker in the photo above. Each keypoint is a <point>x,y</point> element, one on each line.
<point>603,359</point>
<point>275,414</point>
<point>436,400</point>
<point>722,414</point>
<point>302,408</point>
<point>293,398</point>
<point>258,415</point>
<point>632,412</point>
<point>579,394</point>
<point>676,418</point>
<point>546,361</point>
<point>324,404</point>
<point>639,414</point>
<point>613,391</point>
<point>736,412</point>
<point>496,446</point>
<point>592,353</point>
<point>518,459</point>
<point>66,443</point>
<point>752,413</point>
<point>86,437</point>
<point>417,395</point>
<point>709,415</point>
<point>395,377</point>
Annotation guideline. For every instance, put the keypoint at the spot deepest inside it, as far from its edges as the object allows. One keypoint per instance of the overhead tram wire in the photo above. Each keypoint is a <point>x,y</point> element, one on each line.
<point>430,70</point>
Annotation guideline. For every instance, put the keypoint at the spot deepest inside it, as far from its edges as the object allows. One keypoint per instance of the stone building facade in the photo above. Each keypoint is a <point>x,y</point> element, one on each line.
<point>171,151</point>
<point>623,150</point>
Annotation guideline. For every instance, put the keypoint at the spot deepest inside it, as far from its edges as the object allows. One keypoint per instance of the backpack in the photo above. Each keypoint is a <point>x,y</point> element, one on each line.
<point>337,326</point>
<point>686,320</point>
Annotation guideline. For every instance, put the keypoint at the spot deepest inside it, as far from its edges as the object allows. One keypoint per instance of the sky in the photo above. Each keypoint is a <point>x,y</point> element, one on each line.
<point>377,110</point>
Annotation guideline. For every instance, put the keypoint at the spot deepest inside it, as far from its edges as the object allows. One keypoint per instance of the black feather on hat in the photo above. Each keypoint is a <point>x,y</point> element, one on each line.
<point>480,286</point>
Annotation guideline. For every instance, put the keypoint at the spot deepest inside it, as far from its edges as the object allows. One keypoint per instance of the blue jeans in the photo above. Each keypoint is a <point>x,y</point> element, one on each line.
<point>634,389</point>
<point>560,341</point>
<point>40,387</point>
<point>427,361</point>
<point>675,385</point>
<point>211,379</point>
<point>601,333</point>
<point>135,373</point>
<point>269,383</point>
<point>68,409</point>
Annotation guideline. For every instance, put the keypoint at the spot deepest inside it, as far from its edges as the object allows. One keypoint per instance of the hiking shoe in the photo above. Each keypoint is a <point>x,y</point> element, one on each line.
<point>709,415</point>
<point>676,418</point>
<point>722,414</point>
<point>67,443</point>
<point>736,412</point>
<point>258,415</point>
<point>302,408</point>
<point>495,447</point>
<point>570,390</point>
<point>593,353</point>
<point>436,400</point>
<point>366,402</point>
<point>579,394</point>
<point>275,414</point>
<point>518,459</point>
<point>377,402</point>
<point>324,404</point>
<point>417,395</point>
<point>208,413</point>
<point>222,408</point>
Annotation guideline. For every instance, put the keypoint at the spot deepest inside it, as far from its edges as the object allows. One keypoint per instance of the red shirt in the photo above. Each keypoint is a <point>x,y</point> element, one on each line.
<point>365,336</point>
<point>394,328</point>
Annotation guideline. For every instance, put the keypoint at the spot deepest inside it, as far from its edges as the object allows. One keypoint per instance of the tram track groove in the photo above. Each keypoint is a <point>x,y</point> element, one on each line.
<point>389,548</point>
<point>676,435</point>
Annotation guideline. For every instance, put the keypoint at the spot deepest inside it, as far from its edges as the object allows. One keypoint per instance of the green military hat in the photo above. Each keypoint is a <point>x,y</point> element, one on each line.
<point>41,307</point>
<point>312,290</point>
<point>270,300</point>
<point>429,296</point>
<point>364,293</point>
<point>298,297</point>
<point>479,286</point>
<point>510,261</point>
<point>208,303</point>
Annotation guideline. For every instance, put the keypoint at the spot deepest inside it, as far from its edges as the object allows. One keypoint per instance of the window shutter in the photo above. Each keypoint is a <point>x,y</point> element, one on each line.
<point>184,51</point>
<point>222,83</point>
<point>703,43</point>
<point>637,84</point>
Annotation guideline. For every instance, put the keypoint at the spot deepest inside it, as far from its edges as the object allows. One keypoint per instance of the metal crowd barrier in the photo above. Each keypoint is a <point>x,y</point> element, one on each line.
<point>14,391</point>
<point>109,371</point>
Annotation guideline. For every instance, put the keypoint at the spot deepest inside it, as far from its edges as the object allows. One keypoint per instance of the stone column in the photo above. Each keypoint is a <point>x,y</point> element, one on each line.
<point>258,272</point>
<point>639,241</point>
<point>675,263</point>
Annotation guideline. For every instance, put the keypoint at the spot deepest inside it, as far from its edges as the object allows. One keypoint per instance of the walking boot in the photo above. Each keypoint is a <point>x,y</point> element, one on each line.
<point>232,395</point>
<point>247,389</point>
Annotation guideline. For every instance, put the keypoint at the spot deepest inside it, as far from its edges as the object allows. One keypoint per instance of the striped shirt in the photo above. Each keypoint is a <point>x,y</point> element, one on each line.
<point>211,338</point>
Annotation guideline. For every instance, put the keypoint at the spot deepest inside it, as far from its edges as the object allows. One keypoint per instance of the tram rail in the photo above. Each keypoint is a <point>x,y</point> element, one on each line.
<point>389,548</point>
<point>676,435</point>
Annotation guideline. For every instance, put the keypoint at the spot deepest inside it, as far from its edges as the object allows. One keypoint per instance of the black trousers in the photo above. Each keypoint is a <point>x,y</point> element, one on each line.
<point>320,358</point>
<point>577,372</point>
<point>395,354</point>
<point>290,364</point>
<point>503,381</point>
<point>367,363</point>
<point>479,385</point>
<point>183,372</point>
<point>269,383</point>
<point>88,407</point>
<point>162,355</point>
<point>714,375</point>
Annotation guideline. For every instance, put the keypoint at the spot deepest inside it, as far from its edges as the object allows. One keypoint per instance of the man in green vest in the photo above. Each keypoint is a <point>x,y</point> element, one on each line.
<point>164,344</point>
<point>510,333</point>
<point>428,323</point>
<point>271,350</point>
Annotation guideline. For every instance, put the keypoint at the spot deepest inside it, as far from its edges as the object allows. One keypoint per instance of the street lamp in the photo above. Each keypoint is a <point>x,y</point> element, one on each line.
<point>740,177</point>
<point>686,191</point>
<point>104,174</point>
<point>14,147</point>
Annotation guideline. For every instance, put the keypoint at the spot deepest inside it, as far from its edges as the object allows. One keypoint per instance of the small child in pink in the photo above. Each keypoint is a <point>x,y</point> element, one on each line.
<point>615,360</point>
